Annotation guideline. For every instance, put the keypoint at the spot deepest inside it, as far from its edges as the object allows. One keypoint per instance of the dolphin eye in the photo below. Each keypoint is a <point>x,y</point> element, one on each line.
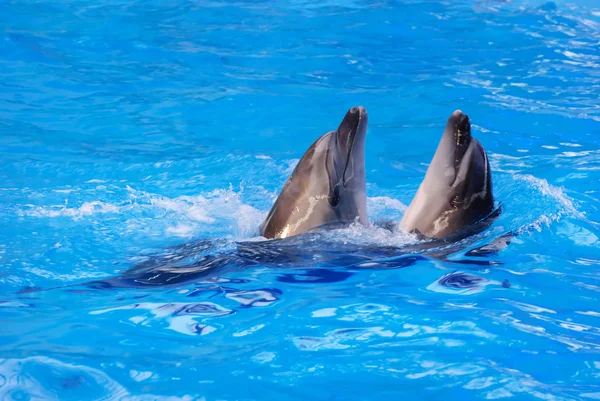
<point>455,201</point>
<point>334,199</point>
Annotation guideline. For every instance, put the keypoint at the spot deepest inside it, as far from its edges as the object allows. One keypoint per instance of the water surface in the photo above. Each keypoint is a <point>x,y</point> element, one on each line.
<point>130,127</point>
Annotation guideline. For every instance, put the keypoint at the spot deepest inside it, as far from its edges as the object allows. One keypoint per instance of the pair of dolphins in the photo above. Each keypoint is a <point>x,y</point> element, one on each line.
<point>328,186</point>
<point>327,189</point>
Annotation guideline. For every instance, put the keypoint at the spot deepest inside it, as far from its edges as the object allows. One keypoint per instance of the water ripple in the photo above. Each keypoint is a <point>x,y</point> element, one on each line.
<point>156,135</point>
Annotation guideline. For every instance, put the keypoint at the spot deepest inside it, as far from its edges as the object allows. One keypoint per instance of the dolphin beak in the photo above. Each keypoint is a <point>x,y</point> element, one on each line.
<point>461,128</point>
<point>456,140</point>
<point>351,139</point>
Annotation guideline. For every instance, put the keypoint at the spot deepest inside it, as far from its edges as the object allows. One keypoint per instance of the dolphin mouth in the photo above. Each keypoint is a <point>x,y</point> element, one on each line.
<point>461,128</point>
<point>359,117</point>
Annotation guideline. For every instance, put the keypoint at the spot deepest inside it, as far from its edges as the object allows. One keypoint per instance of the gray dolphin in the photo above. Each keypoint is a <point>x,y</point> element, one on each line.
<point>457,188</point>
<point>327,186</point>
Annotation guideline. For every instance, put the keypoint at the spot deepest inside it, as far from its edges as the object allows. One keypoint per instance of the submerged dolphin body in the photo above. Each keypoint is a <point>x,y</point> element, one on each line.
<point>457,189</point>
<point>327,186</point>
<point>207,262</point>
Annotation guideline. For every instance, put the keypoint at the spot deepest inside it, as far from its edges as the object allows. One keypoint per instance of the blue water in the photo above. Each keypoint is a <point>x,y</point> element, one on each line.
<point>132,128</point>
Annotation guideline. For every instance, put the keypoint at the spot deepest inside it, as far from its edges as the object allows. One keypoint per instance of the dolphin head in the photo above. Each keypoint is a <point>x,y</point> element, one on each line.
<point>327,186</point>
<point>348,182</point>
<point>457,189</point>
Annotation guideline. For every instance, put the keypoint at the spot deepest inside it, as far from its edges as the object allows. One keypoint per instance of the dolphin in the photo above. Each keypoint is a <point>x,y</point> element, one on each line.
<point>457,189</point>
<point>327,187</point>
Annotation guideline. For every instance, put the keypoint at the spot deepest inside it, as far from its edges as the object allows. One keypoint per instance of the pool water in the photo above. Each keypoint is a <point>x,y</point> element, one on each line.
<point>139,133</point>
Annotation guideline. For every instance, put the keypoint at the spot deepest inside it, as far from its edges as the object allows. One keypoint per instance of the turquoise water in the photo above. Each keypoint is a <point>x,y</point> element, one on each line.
<point>135,133</point>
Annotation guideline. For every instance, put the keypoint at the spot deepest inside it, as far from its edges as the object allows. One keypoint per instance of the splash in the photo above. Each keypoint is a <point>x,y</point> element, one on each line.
<point>86,209</point>
<point>224,213</point>
<point>220,211</point>
<point>182,216</point>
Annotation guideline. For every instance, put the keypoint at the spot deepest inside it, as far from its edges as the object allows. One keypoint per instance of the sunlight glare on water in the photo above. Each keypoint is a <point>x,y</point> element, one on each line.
<point>159,132</point>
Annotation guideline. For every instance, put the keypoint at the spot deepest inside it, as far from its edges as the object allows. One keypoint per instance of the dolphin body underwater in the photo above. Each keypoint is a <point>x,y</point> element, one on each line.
<point>327,190</point>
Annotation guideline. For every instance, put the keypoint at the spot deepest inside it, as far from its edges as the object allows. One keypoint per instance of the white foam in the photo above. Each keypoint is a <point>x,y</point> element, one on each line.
<point>371,235</point>
<point>561,205</point>
<point>224,212</point>
<point>550,191</point>
<point>74,275</point>
<point>181,230</point>
<point>186,216</point>
<point>379,208</point>
<point>376,205</point>
<point>181,216</point>
<point>86,209</point>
